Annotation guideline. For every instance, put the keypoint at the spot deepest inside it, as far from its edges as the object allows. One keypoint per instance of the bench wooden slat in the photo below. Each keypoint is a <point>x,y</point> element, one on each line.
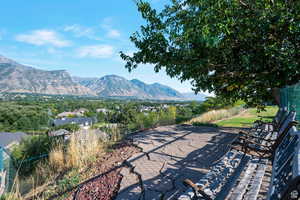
<point>240,190</point>
<point>221,173</point>
<point>217,176</point>
<point>256,182</point>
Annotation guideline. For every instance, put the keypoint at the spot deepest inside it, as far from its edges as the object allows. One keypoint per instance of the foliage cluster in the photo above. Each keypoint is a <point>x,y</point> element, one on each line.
<point>15,116</point>
<point>238,49</point>
<point>31,150</point>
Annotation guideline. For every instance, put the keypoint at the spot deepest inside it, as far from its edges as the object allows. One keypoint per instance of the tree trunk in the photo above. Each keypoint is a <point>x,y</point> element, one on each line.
<point>276,95</point>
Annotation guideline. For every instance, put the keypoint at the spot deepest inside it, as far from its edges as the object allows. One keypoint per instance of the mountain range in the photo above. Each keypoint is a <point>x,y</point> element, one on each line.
<point>18,78</point>
<point>117,86</point>
<point>15,77</point>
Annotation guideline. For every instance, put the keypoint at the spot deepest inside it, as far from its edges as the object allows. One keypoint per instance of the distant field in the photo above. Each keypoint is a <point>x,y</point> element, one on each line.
<point>247,118</point>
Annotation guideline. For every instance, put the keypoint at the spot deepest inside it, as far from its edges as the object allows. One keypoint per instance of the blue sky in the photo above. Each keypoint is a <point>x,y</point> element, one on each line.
<point>80,36</point>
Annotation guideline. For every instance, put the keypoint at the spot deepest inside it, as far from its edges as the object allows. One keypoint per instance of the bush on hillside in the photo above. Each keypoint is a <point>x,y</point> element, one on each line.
<point>31,151</point>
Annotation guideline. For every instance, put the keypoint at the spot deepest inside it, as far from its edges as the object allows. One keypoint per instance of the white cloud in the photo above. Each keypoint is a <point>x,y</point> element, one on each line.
<point>96,51</point>
<point>43,37</point>
<point>107,26</point>
<point>113,33</point>
<point>81,31</point>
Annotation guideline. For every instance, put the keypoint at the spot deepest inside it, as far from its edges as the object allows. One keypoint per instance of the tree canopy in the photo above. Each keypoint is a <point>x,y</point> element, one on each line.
<point>238,49</point>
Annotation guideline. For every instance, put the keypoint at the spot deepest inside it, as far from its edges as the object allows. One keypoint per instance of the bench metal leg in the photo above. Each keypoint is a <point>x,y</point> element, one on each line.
<point>197,189</point>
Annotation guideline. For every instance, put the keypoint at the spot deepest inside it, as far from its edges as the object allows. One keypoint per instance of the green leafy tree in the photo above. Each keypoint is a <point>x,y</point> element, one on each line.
<point>101,117</point>
<point>238,49</point>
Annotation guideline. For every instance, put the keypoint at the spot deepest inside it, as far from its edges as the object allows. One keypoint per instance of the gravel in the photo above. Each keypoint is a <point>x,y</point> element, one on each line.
<point>105,182</point>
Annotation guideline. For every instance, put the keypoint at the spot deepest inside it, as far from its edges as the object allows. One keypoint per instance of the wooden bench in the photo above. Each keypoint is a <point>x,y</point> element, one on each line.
<point>213,182</point>
<point>277,121</point>
<point>239,176</point>
<point>266,144</point>
<point>263,130</point>
<point>285,183</point>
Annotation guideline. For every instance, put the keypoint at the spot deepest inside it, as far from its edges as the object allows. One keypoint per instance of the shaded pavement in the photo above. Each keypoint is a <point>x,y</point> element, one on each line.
<point>169,155</point>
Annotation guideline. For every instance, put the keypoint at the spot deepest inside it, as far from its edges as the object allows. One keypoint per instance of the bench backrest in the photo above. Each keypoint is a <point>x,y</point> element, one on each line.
<point>290,117</point>
<point>280,115</point>
<point>286,166</point>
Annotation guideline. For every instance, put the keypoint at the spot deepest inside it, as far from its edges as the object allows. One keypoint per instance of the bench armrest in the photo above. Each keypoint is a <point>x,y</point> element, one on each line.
<point>196,189</point>
<point>255,137</point>
<point>250,142</point>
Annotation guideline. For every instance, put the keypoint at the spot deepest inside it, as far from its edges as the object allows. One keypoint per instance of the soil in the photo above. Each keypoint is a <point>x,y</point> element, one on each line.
<point>105,183</point>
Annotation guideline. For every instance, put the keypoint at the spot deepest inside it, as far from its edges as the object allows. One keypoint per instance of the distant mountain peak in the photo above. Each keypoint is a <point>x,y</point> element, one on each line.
<point>15,77</point>
<point>112,76</point>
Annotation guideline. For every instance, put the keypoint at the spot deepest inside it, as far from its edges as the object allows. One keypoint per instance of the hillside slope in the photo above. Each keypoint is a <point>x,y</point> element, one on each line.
<point>15,77</point>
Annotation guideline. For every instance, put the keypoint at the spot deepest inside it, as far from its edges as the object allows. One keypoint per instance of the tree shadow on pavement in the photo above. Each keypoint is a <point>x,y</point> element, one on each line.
<point>167,183</point>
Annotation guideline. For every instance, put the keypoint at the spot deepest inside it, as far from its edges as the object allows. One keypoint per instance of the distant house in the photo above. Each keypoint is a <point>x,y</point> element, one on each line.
<point>148,109</point>
<point>165,106</point>
<point>79,112</point>
<point>7,140</point>
<point>65,114</point>
<point>83,122</point>
<point>59,133</point>
<point>103,110</point>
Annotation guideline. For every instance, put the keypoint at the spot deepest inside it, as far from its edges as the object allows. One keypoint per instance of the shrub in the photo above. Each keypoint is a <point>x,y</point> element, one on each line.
<point>30,151</point>
<point>167,117</point>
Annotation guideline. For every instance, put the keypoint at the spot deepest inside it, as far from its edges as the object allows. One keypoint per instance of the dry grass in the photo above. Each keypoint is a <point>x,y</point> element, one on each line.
<point>77,153</point>
<point>57,158</point>
<point>82,149</point>
<point>15,191</point>
<point>216,115</point>
<point>115,134</point>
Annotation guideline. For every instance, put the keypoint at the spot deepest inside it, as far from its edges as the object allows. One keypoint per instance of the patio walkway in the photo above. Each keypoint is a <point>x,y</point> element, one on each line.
<point>169,155</point>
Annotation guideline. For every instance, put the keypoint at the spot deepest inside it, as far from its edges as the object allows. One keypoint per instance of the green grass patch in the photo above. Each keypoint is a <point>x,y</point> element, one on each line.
<point>250,116</point>
<point>269,112</point>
